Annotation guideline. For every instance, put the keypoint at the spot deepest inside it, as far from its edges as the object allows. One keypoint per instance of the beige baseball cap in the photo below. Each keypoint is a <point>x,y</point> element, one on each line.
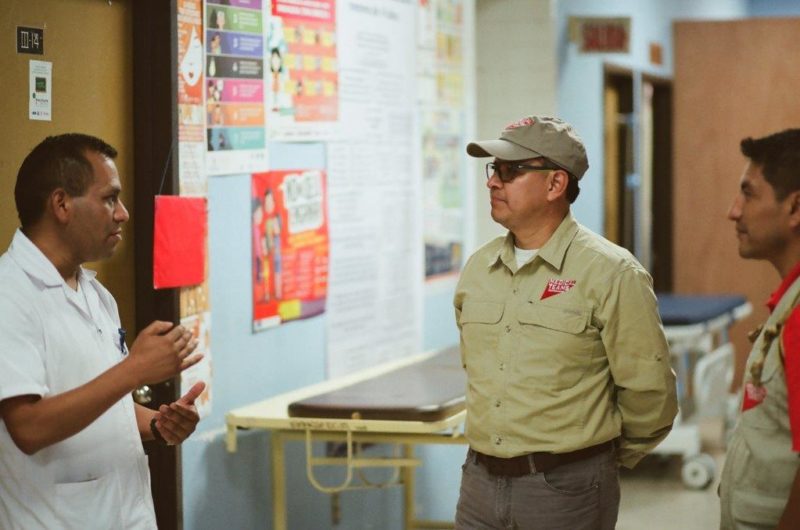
<point>535,136</point>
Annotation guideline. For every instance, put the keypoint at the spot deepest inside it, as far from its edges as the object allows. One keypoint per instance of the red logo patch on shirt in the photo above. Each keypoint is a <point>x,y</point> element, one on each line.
<point>555,287</point>
<point>753,396</point>
<point>520,123</point>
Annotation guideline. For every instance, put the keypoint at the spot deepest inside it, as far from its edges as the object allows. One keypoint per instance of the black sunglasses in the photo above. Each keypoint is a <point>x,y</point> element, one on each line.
<point>507,172</point>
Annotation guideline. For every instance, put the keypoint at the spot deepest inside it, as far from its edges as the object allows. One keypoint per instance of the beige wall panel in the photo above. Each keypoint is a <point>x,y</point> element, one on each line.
<point>732,80</point>
<point>89,43</point>
<point>516,71</point>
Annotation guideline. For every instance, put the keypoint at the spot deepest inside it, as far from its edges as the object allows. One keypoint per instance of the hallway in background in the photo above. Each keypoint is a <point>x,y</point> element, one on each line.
<point>655,498</point>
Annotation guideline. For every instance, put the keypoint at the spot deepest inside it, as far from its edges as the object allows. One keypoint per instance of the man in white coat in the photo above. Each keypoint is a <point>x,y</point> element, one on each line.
<point>71,452</point>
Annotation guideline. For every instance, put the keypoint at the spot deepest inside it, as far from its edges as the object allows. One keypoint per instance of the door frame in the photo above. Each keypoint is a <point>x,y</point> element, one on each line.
<point>617,96</point>
<point>156,173</point>
<point>661,186</point>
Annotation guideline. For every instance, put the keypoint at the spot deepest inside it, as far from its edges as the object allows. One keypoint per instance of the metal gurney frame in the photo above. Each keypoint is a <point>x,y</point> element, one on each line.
<point>709,379</point>
<point>272,415</point>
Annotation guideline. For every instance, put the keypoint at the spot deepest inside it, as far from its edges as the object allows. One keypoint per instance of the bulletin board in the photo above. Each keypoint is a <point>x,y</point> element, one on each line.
<point>384,88</point>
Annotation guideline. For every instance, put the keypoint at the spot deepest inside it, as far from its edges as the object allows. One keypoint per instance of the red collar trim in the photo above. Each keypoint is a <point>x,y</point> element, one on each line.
<point>775,297</point>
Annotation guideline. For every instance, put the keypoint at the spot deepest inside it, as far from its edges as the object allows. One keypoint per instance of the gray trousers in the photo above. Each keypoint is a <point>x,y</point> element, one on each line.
<point>583,495</point>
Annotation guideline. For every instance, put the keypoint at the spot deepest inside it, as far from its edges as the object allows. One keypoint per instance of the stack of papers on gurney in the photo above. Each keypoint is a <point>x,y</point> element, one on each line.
<point>430,390</point>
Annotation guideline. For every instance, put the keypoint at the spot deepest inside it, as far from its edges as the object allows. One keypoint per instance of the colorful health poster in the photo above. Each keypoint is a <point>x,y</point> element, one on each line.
<point>302,68</point>
<point>442,97</point>
<point>234,66</point>
<point>289,246</point>
<point>191,119</point>
<point>443,191</point>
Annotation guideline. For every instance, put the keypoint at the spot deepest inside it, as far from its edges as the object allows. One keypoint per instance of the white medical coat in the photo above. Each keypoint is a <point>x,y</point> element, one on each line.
<point>49,344</point>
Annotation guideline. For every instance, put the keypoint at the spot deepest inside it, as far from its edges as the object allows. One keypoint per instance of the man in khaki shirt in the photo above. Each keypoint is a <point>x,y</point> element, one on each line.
<point>567,365</point>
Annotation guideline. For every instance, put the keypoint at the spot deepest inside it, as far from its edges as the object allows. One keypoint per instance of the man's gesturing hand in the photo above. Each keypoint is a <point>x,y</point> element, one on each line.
<point>176,421</point>
<point>162,351</point>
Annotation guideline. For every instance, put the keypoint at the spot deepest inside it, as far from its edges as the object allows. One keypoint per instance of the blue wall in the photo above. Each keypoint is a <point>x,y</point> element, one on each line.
<point>223,490</point>
<point>774,8</point>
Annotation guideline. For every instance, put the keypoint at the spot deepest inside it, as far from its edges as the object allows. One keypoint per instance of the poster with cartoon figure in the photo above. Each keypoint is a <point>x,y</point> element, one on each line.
<point>302,70</point>
<point>289,246</point>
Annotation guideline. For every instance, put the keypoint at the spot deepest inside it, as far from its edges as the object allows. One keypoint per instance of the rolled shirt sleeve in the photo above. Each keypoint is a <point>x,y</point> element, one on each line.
<point>639,361</point>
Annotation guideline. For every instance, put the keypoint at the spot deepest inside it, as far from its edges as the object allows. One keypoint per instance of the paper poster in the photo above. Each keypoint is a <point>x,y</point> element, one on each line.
<point>41,91</point>
<point>442,96</point>
<point>426,51</point>
<point>375,298</point>
<point>200,326</point>
<point>194,299</point>
<point>450,52</point>
<point>443,191</point>
<point>302,70</point>
<point>179,241</point>
<point>191,119</point>
<point>234,61</point>
<point>289,246</point>
<point>374,311</point>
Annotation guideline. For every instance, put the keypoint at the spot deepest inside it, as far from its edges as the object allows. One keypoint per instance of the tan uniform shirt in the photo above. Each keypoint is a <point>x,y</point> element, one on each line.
<point>565,352</point>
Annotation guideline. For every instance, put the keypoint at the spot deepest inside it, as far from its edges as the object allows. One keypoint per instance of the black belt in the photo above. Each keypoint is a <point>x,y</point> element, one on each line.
<point>537,462</point>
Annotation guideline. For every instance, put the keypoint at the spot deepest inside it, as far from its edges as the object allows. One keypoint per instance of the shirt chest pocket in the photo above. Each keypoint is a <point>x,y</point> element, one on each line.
<point>556,344</point>
<point>480,326</point>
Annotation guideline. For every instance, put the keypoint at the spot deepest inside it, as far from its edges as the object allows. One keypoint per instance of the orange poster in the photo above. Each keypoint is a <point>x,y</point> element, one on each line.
<point>289,246</point>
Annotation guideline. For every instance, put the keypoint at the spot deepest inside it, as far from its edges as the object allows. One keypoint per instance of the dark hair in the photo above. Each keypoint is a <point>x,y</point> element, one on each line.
<point>573,189</point>
<point>778,155</point>
<point>276,51</point>
<point>57,162</point>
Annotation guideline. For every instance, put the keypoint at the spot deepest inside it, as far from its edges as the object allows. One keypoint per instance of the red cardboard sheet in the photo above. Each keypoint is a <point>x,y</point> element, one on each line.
<point>179,241</point>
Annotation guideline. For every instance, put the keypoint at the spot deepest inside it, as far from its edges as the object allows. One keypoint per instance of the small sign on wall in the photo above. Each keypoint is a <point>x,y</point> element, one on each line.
<point>30,40</point>
<point>41,91</point>
<point>656,54</point>
<point>601,35</point>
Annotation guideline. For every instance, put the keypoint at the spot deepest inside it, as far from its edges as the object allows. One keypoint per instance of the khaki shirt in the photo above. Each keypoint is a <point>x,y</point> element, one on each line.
<point>564,353</point>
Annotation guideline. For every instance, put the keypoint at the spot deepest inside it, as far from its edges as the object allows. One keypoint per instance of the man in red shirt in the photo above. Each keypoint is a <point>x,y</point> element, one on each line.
<point>760,485</point>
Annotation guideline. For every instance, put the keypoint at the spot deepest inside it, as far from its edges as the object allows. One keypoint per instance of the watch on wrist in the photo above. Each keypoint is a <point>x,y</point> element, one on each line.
<point>157,435</point>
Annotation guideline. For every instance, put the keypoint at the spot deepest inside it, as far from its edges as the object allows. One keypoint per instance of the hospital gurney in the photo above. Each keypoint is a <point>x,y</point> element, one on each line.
<point>696,327</point>
<point>416,400</point>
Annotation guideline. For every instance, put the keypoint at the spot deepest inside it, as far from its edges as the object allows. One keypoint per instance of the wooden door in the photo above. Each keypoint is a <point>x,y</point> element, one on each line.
<point>733,79</point>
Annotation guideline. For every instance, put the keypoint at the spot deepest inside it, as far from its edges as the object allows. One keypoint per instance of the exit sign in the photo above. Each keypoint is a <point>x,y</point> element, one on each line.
<point>601,35</point>
<point>30,40</point>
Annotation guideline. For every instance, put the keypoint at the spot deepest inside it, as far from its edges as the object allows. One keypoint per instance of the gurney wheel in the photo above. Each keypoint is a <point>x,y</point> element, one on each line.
<point>698,471</point>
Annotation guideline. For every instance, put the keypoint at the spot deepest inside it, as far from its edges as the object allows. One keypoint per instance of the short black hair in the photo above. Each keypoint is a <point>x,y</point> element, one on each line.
<point>573,189</point>
<point>573,186</point>
<point>57,162</point>
<point>778,156</point>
